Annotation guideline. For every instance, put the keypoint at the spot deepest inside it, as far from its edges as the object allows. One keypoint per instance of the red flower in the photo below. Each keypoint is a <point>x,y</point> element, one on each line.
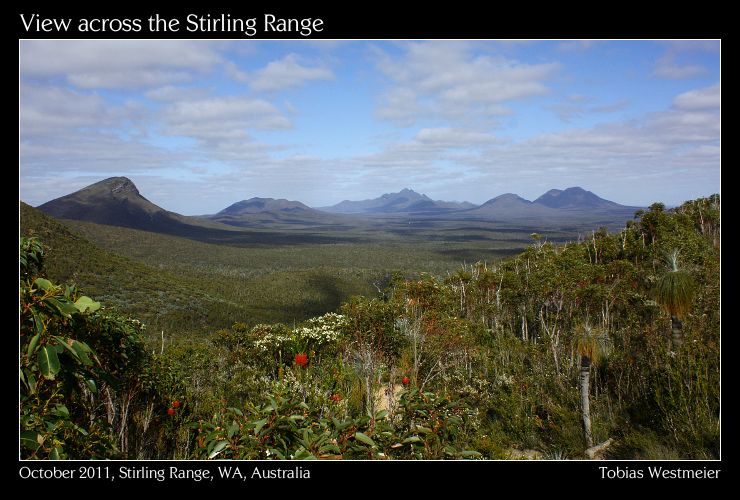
<point>336,398</point>
<point>175,404</point>
<point>170,411</point>
<point>301,359</point>
<point>406,381</point>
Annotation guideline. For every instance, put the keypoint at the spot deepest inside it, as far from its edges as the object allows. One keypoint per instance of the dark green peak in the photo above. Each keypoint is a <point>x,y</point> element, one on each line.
<point>116,185</point>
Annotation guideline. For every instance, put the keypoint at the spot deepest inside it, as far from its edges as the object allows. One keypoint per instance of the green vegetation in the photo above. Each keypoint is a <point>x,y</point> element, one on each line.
<point>555,349</point>
<point>187,288</point>
<point>88,387</point>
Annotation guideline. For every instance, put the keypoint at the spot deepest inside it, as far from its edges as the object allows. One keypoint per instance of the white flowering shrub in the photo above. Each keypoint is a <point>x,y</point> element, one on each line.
<point>320,335</point>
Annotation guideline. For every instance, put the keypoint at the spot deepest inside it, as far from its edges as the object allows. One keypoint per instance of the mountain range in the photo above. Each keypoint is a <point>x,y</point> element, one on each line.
<point>405,201</point>
<point>116,201</point>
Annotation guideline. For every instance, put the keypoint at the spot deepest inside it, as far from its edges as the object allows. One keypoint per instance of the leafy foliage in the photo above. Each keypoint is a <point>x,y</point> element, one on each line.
<point>675,289</point>
<point>479,363</point>
<point>88,387</point>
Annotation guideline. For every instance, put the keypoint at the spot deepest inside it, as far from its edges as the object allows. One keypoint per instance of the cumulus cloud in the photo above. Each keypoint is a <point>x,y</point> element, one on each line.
<point>449,79</point>
<point>118,63</point>
<point>678,147</point>
<point>578,106</point>
<point>675,63</point>
<point>222,117</point>
<point>576,45</point>
<point>668,67</point>
<point>175,93</point>
<point>285,73</point>
<point>706,98</point>
<point>446,137</point>
<point>55,109</point>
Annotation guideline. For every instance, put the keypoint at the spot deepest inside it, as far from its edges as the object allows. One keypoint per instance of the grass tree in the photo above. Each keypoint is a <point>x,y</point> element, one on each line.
<point>590,343</point>
<point>674,292</point>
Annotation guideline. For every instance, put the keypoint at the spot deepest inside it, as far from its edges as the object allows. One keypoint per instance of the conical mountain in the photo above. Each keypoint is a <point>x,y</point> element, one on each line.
<point>117,202</point>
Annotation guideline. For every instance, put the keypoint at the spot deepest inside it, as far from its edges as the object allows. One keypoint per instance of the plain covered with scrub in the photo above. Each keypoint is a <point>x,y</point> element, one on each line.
<point>559,348</point>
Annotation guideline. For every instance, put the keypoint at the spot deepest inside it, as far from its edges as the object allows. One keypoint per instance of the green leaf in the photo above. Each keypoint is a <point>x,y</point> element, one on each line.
<point>32,345</point>
<point>43,284</point>
<point>423,430</point>
<point>330,448</point>
<point>38,321</point>
<point>85,303</point>
<point>31,381</point>
<point>218,448</point>
<point>63,343</point>
<point>304,454</point>
<point>233,429</point>
<point>81,349</point>
<point>66,309</point>
<point>412,439</point>
<point>60,411</point>
<point>31,440</point>
<point>54,455</point>
<point>48,362</point>
<point>364,438</point>
<point>470,454</point>
<point>91,385</point>
<point>78,349</point>
<point>235,410</point>
<point>259,424</point>
<point>381,414</point>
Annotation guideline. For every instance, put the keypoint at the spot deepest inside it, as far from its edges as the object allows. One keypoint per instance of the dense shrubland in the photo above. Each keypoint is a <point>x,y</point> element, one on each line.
<point>477,363</point>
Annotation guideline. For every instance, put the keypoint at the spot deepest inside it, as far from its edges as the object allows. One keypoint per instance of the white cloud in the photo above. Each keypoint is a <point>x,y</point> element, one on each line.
<point>577,106</point>
<point>576,45</point>
<point>55,109</point>
<point>449,79</point>
<point>400,106</point>
<point>664,155</point>
<point>218,119</point>
<point>117,63</point>
<point>668,67</point>
<point>175,93</point>
<point>706,98</point>
<point>284,73</point>
<point>673,64</point>
<point>446,137</point>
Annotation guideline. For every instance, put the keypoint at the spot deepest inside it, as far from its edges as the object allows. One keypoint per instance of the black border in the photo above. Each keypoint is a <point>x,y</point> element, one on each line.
<point>385,478</point>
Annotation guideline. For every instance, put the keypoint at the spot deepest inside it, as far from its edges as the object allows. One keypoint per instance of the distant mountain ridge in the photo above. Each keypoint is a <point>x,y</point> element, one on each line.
<point>117,201</point>
<point>555,205</point>
<point>405,201</point>
<point>257,205</point>
<point>256,212</point>
<point>574,197</point>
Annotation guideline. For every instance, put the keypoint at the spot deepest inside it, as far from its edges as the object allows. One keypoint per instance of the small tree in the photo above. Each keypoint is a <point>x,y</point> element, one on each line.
<point>590,344</point>
<point>674,292</point>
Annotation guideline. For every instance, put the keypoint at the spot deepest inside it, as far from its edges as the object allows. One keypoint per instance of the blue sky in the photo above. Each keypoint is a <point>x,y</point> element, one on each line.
<point>198,125</point>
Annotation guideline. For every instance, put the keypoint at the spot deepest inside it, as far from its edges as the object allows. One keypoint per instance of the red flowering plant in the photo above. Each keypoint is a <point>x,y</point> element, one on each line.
<point>301,359</point>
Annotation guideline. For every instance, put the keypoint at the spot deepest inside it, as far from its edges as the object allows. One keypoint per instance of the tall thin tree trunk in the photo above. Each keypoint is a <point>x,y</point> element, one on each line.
<point>676,333</point>
<point>585,409</point>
